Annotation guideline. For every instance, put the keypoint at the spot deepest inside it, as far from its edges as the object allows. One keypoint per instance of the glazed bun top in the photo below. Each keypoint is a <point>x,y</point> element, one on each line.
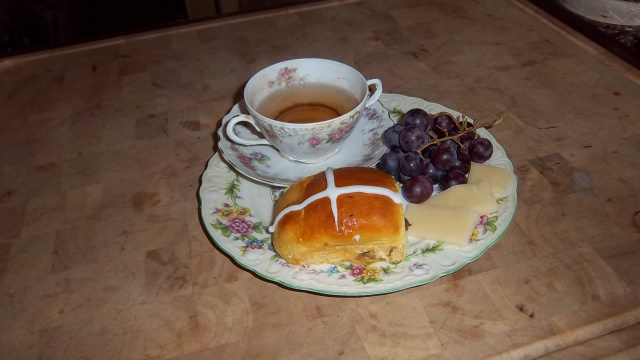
<point>348,214</point>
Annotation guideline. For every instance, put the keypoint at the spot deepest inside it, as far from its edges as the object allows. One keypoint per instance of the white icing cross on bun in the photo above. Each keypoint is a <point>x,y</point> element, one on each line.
<point>332,192</point>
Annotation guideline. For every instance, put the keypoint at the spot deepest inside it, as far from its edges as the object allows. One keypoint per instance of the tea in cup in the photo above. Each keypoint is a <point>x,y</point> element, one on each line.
<point>305,108</point>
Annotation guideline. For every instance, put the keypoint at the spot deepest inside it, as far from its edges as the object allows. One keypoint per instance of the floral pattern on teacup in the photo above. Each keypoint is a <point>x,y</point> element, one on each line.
<point>313,141</point>
<point>340,133</point>
<point>286,77</point>
<point>334,136</point>
<point>270,132</point>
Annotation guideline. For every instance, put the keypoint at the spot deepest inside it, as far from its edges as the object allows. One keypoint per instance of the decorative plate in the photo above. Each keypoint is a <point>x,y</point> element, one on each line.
<point>264,164</point>
<point>236,212</point>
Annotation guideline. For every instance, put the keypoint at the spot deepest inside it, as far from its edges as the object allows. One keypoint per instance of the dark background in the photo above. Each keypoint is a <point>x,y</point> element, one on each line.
<point>32,25</point>
<point>621,40</point>
<point>28,25</point>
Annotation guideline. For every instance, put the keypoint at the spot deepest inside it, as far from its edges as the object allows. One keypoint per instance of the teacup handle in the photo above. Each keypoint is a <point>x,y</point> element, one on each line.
<point>232,134</point>
<point>376,94</point>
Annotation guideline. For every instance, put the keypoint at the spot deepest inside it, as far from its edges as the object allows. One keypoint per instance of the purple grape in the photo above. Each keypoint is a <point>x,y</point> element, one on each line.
<point>390,136</point>
<point>444,124</point>
<point>452,144</point>
<point>411,164</point>
<point>427,151</point>
<point>480,150</point>
<point>417,189</point>
<point>402,178</point>
<point>431,172</point>
<point>390,161</point>
<point>442,157</point>
<point>462,162</point>
<point>411,138</point>
<point>466,139</point>
<point>452,178</point>
<point>418,117</point>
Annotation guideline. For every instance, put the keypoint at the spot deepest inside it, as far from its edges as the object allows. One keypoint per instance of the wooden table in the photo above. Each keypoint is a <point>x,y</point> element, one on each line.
<point>102,254</point>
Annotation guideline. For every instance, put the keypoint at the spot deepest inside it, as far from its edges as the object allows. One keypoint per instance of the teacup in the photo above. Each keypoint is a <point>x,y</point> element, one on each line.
<point>305,108</point>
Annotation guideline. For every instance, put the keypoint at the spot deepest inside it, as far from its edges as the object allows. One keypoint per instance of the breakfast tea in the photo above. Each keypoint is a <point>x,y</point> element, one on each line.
<point>305,108</point>
<point>307,103</point>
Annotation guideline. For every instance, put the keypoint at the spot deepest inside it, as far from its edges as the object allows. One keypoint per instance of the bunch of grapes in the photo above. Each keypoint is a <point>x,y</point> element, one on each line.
<point>431,150</point>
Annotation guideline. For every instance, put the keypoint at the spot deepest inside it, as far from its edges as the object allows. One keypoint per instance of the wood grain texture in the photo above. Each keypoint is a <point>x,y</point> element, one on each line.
<point>102,254</point>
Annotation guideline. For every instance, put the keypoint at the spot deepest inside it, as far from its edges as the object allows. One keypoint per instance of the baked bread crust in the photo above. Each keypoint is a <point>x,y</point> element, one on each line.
<point>370,226</point>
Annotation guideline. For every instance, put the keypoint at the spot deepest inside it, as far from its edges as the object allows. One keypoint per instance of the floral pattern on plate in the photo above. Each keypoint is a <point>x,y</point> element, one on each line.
<point>236,224</point>
<point>236,212</point>
<point>263,163</point>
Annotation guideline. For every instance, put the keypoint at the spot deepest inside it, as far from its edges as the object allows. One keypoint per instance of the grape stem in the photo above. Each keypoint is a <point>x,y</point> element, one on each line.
<point>462,127</point>
<point>437,140</point>
<point>495,122</point>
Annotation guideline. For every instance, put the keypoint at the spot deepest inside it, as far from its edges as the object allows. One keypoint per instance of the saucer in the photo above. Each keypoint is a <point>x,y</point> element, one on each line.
<point>263,163</point>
